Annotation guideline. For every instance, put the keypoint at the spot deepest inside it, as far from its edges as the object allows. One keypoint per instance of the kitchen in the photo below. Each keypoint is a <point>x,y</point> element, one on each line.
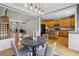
<point>62,26</point>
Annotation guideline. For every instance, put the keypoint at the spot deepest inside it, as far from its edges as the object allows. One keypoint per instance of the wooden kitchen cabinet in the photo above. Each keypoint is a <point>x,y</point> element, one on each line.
<point>72,22</point>
<point>66,22</point>
<point>63,33</point>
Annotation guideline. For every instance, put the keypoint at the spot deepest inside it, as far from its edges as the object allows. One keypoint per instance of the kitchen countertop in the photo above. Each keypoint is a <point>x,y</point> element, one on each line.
<point>74,32</point>
<point>64,28</point>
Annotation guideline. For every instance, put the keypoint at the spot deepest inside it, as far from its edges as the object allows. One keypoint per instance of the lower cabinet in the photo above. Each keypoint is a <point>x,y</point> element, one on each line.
<point>63,38</point>
<point>73,41</point>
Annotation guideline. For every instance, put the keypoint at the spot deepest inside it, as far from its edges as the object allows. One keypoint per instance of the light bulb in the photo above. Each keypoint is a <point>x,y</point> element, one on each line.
<point>42,13</point>
<point>31,7</point>
<point>39,11</point>
<point>25,5</point>
<point>36,9</point>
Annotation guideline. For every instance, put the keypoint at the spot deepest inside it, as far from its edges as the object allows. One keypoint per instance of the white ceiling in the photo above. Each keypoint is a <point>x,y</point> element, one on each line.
<point>15,16</point>
<point>51,7</point>
<point>60,14</point>
<point>47,7</point>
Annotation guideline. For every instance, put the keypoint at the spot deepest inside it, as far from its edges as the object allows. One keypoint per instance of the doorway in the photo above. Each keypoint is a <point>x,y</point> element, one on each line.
<point>43,26</point>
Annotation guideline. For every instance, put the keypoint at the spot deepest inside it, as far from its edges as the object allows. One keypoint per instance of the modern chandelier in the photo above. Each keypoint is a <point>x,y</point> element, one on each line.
<point>36,9</point>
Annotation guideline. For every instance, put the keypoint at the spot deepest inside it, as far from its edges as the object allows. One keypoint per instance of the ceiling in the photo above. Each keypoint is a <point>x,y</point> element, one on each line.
<point>51,7</point>
<point>47,8</point>
<point>15,16</point>
<point>60,14</point>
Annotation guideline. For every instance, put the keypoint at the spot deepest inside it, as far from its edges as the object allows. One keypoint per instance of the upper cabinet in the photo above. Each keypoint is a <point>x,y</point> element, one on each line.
<point>64,23</point>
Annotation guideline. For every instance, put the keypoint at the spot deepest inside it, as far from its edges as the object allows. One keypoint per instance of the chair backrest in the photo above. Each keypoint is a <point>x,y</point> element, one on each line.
<point>43,39</point>
<point>45,35</point>
<point>14,48</point>
<point>50,50</point>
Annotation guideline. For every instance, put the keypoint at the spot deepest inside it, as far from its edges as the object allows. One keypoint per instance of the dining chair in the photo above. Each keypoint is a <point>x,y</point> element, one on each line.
<point>45,37</point>
<point>47,51</point>
<point>42,39</point>
<point>19,52</point>
<point>50,50</point>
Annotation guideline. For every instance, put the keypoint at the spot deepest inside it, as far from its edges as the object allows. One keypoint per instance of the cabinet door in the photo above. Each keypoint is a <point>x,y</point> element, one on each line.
<point>74,41</point>
<point>72,22</point>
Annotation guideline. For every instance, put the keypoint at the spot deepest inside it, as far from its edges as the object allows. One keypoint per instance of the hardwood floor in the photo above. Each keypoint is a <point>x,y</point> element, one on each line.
<point>7,52</point>
<point>60,48</point>
<point>63,49</point>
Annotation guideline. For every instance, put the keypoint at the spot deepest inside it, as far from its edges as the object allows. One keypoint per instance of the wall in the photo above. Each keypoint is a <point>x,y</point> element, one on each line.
<point>78,16</point>
<point>32,26</point>
<point>5,43</point>
<point>74,36</point>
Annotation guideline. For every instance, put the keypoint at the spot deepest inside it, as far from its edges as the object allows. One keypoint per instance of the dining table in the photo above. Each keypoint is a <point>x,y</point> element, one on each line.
<point>33,43</point>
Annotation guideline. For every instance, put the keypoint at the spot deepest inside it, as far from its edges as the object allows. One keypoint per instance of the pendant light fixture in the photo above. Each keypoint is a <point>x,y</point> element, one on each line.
<point>39,11</point>
<point>25,5</point>
<point>36,9</point>
<point>31,6</point>
<point>42,12</point>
